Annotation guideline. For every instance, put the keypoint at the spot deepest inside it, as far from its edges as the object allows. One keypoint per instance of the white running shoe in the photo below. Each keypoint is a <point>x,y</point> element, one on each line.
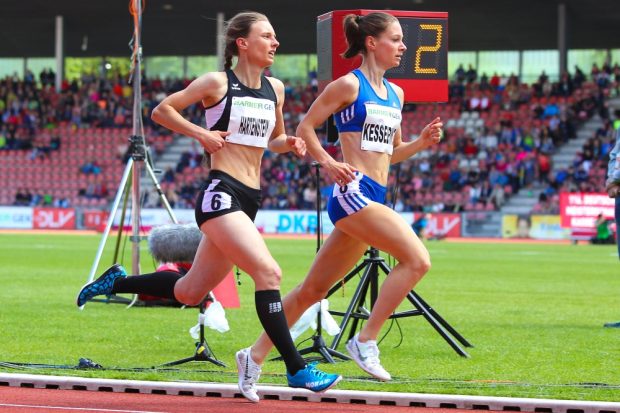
<point>366,355</point>
<point>249,372</point>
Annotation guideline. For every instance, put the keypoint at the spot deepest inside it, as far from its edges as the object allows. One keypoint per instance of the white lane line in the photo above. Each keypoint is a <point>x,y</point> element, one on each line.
<point>33,406</point>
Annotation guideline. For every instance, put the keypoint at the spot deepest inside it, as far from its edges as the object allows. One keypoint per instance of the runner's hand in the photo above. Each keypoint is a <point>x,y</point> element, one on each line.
<point>342,173</point>
<point>432,133</point>
<point>613,189</point>
<point>298,145</point>
<point>213,141</point>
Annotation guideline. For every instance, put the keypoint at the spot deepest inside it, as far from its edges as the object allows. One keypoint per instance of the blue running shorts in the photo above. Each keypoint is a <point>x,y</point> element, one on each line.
<point>348,199</point>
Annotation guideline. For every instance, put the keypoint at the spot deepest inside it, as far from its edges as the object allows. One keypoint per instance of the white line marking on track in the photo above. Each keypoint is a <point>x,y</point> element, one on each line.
<point>33,406</point>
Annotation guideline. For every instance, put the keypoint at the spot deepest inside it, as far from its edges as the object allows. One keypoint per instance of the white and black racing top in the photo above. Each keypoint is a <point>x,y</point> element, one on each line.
<point>249,114</point>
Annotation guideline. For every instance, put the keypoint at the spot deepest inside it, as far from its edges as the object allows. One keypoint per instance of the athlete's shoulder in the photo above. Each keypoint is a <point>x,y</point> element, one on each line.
<point>278,88</point>
<point>345,84</point>
<point>212,79</point>
<point>211,87</point>
<point>275,83</point>
<point>399,92</point>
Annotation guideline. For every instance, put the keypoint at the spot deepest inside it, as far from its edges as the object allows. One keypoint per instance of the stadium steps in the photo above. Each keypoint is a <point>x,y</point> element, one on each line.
<point>173,153</point>
<point>482,224</point>
<point>522,202</point>
<point>169,159</point>
<point>565,156</point>
<point>614,104</point>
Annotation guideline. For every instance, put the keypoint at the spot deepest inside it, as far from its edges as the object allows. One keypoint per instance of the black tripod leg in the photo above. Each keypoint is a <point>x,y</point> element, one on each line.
<point>346,279</point>
<point>326,355</point>
<point>181,361</point>
<point>318,346</point>
<point>442,321</point>
<point>434,319</point>
<point>364,293</point>
<point>384,267</point>
<point>204,353</point>
<point>436,325</point>
<point>360,291</point>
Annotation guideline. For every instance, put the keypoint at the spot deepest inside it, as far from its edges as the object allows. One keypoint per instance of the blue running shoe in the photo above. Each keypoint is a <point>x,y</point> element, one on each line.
<point>102,285</point>
<point>313,379</point>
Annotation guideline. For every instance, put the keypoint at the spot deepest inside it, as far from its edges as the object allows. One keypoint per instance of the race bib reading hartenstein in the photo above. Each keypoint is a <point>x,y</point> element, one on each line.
<point>379,128</point>
<point>252,121</point>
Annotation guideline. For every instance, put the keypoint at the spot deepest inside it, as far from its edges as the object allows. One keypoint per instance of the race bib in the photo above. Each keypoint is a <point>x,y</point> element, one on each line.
<point>379,128</point>
<point>352,187</point>
<point>215,201</point>
<point>252,121</point>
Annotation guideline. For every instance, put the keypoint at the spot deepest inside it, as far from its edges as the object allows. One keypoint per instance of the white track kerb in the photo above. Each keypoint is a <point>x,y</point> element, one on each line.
<point>332,396</point>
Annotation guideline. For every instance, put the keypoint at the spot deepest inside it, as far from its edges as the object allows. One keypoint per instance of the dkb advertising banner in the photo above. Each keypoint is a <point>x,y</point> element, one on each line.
<point>292,222</point>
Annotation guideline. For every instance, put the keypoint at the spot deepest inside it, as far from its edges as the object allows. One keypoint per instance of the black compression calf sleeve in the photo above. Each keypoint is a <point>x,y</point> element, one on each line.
<point>271,315</point>
<point>158,284</point>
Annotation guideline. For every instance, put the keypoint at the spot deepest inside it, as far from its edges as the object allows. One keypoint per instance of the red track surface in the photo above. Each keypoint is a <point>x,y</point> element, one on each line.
<point>20,400</point>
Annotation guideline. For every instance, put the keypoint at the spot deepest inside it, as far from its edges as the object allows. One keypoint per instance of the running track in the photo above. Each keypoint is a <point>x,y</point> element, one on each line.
<point>21,400</point>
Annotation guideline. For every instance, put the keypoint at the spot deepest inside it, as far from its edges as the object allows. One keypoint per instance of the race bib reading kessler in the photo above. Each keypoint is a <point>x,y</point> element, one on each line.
<point>252,121</point>
<point>379,128</point>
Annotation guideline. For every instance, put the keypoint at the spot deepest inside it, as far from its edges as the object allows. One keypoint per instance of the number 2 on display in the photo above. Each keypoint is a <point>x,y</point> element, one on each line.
<point>427,49</point>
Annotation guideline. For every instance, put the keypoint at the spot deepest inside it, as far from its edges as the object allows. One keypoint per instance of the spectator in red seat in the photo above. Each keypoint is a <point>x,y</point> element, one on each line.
<point>495,80</point>
<point>544,166</point>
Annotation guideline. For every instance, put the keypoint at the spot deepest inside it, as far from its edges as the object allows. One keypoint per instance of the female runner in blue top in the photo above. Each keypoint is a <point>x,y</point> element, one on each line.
<point>367,109</point>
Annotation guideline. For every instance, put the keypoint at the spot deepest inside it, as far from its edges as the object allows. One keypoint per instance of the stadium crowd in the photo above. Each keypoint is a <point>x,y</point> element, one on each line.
<point>499,137</point>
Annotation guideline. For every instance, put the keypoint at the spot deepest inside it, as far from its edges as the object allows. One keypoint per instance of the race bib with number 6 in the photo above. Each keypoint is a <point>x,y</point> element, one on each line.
<point>215,201</point>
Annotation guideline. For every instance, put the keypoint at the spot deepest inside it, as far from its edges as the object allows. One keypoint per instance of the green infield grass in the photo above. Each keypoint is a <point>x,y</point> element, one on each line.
<point>534,312</point>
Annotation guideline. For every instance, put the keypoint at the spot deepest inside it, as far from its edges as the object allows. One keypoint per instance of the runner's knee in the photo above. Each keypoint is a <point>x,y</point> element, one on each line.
<point>310,294</point>
<point>187,295</point>
<point>268,277</point>
<point>418,266</point>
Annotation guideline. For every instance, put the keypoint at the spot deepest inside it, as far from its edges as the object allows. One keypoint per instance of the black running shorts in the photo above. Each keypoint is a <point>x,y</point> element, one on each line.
<point>224,194</point>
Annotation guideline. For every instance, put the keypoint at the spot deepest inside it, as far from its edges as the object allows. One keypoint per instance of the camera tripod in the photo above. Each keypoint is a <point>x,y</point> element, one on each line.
<point>139,160</point>
<point>370,281</point>
<point>203,352</point>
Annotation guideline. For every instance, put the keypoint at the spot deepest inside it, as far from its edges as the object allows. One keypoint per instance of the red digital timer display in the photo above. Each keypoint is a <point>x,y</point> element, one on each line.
<point>423,72</point>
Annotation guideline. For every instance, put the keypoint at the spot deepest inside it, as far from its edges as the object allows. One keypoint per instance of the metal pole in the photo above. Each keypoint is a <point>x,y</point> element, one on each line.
<point>562,38</point>
<point>59,52</point>
<point>138,131</point>
<point>219,41</point>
